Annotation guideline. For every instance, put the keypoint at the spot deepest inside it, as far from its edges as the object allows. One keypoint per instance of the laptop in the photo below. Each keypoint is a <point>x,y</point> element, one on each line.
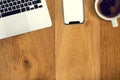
<point>21,16</point>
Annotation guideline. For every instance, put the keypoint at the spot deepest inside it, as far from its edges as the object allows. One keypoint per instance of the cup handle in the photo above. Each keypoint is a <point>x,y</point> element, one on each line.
<point>115,23</point>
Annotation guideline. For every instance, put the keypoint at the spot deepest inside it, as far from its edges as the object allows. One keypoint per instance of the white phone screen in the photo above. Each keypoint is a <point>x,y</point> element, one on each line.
<point>73,11</point>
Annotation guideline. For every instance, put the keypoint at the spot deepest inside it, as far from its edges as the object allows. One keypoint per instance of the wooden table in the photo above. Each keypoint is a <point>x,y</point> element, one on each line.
<point>88,51</point>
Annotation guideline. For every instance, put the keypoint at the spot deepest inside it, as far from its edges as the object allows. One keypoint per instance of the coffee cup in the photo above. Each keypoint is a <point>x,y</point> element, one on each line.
<point>113,19</point>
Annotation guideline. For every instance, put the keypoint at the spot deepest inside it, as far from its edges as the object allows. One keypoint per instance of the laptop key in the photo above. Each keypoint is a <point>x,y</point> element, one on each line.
<point>13,7</point>
<point>14,3</point>
<point>1,11</point>
<point>2,6</point>
<point>10,4</point>
<point>9,8</point>
<point>17,6</point>
<point>18,2</point>
<point>11,13</point>
<point>36,6</point>
<point>6,5</point>
<point>22,1</point>
<point>8,1</point>
<point>23,10</point>
<point>21,5</point>
<point>4,2</point>
<point>29,3</point>
<point>28,8</point>
<point>40,6</point>
<point>37,1</point>
<point>0,3</point>
<point>6,9</point>
<point>25,4</point>
<point>32,8</point>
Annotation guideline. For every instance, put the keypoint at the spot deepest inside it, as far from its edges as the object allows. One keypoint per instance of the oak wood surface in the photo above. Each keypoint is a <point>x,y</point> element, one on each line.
<point>89,51</point>
<point>29,56</point>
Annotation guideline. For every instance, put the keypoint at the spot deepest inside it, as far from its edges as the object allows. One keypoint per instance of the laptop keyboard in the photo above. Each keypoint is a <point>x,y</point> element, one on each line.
<point>11,7</point>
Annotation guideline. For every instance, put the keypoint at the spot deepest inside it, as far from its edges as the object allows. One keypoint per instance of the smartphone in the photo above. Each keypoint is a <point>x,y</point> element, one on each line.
<point>73,11</point>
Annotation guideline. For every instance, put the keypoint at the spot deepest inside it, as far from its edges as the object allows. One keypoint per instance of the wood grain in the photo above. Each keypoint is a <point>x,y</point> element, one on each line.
<point>29,56</point>
<point>88,51</point>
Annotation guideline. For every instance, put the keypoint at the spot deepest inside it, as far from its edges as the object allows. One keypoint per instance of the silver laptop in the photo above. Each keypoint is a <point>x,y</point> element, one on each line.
<point>21,16</point>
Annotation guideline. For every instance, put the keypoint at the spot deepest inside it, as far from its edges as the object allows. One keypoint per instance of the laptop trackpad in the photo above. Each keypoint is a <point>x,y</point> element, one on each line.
<point>16,24</point>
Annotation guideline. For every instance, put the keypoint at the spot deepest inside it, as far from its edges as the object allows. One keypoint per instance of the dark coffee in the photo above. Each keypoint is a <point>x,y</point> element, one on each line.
<point>109,8</point>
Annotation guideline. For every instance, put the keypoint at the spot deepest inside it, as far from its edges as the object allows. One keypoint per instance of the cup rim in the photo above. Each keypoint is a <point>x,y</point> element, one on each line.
<point>102,16</point>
